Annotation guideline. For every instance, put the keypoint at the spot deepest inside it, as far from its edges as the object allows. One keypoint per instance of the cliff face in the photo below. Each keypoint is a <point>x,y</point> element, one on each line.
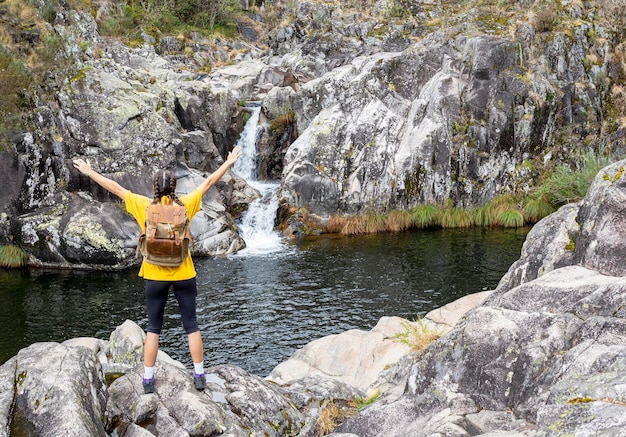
<point>474,103</point>
<point>366,107</point>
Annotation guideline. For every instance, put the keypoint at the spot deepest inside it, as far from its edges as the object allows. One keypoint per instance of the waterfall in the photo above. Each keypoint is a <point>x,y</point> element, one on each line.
<point>256,226</point>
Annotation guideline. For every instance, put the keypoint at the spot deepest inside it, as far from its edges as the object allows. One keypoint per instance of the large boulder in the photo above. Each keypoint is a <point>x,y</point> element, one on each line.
<point>358,358</point>
<point>586,233</point>
<point>597,241</point>
<point>58,390</point>
<point>354,357</point>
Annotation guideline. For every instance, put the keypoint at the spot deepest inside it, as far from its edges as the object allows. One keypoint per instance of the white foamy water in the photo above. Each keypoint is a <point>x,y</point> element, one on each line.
<point>257,223</point>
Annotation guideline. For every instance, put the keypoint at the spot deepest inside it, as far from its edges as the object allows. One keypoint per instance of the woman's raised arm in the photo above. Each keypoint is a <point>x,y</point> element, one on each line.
<point>110,185</point>
<point>233,156</point>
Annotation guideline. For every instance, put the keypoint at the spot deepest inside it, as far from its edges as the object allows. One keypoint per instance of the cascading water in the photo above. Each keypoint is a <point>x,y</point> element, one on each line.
<point>257,223</point>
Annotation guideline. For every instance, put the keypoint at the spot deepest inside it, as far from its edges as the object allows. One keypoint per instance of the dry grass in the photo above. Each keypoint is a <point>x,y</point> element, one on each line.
<point>375,222</point>
<point>331,416</point>
<point>335,224</point>
<point>398,220</point>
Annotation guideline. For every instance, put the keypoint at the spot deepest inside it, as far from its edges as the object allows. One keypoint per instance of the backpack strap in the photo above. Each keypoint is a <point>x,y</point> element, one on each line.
<point>154,218</point>
<point>179,218</point>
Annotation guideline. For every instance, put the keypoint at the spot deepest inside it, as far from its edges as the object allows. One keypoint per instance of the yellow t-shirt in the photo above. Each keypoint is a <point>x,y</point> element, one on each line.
<point>136,205</point>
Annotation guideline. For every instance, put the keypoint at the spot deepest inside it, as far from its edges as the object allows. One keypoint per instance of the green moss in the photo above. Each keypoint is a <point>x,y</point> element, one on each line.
<point>620,172</point>
<point>20,378</point>
<point>111,377</point>
<point>413,184</point>
<point>81,74</point>
<point>582,400</point>
<point>571,245</point>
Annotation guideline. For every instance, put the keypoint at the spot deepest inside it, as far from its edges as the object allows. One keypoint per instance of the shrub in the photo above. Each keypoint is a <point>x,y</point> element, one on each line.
<point>566,185</point>
<point>612,14</point>
<point>544,20</point>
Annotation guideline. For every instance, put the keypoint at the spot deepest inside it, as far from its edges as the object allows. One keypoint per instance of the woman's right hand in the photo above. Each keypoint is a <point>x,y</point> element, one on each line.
<point>233,155</point>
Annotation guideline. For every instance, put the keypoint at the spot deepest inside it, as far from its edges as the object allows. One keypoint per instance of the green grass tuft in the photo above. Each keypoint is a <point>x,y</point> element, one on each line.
<point>456,218</point>
<point>510,218</point>
<point>426,216</point>
<point>534,209</point>
<point>12,257</point>
<point>417,335</point>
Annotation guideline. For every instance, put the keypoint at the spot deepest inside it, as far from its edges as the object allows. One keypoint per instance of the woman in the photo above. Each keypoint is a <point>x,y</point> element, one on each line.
<point>159,279</point>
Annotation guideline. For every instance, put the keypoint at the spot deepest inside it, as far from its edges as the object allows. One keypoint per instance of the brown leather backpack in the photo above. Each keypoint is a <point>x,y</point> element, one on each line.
<point>167,237</point>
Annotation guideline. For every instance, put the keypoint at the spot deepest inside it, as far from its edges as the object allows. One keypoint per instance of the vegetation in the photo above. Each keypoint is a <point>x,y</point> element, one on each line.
<point>15,80</point>
<point>331,416</point>
<point>364,402</point>
<point>563,185</point>
<point>417,335</point>
<point>12,257</point>
<point>128,18</point>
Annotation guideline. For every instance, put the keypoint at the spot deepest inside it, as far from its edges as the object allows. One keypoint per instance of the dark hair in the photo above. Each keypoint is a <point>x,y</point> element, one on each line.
<point>164,184</point>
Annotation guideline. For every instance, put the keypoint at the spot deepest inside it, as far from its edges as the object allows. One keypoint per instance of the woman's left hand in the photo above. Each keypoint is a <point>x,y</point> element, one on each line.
<point>81,165</point>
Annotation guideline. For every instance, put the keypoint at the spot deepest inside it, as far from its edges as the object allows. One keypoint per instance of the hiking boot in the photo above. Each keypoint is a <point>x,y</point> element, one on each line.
<point>148,385</point>
<point>199,381</point>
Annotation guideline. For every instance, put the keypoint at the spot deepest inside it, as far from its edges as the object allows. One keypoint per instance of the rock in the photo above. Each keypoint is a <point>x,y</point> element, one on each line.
<point>525,351</point>
<point>582,233</point>
<point>7,394</point>
<point>258,404</point>
<point>354,357</point>
<point>59,390</point>
<point>548,246</point>
<point>600,221</point>
<point>175,408</point>
<point>126,344</point>
<point>357,358</point>
<point>445,318</point>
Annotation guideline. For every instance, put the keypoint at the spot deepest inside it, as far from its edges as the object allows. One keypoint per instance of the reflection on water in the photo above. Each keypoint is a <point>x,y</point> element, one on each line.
<point>255,311</point>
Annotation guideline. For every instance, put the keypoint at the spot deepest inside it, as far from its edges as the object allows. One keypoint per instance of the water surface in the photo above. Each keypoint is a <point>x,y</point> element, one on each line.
<point>255,309</point>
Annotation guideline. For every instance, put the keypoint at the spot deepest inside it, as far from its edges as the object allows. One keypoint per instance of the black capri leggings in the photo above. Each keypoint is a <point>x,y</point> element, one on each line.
<point>156,297</point>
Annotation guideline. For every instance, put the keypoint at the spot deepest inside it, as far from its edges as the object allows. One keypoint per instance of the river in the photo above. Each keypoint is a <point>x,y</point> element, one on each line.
<point>256,308</point>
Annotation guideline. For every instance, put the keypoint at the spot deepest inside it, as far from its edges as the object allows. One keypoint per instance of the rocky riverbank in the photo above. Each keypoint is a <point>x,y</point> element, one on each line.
<point>90,387</point>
